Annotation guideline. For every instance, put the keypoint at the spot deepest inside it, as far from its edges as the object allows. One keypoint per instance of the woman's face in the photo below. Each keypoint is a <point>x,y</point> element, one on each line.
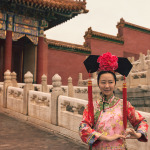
<point>107,84</point>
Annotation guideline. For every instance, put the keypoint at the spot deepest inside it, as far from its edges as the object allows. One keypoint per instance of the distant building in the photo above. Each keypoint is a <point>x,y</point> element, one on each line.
<point>130,40</point>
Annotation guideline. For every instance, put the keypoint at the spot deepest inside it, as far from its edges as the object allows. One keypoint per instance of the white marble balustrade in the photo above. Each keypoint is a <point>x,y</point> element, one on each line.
<point>39,104</point>
<point>70,112</point>
<point>15,99</point>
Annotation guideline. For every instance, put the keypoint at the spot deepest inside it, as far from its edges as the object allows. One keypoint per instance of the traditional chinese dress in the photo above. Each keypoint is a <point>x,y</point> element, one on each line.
<point>109,122</point>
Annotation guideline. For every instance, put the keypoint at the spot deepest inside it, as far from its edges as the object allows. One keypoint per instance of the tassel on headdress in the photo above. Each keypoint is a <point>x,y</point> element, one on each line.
<point>90,101</point>
<point>124,91</point>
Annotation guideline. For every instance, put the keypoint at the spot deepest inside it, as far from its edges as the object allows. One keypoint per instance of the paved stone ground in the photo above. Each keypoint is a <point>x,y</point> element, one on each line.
<point>17,135</point>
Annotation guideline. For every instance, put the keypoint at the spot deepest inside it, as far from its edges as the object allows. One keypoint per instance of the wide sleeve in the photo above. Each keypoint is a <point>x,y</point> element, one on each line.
<point>87,134</point>
<point>138,122</point>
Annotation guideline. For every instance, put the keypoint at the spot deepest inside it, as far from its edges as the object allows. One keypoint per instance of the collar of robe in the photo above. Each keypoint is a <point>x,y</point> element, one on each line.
<point>105,100</point>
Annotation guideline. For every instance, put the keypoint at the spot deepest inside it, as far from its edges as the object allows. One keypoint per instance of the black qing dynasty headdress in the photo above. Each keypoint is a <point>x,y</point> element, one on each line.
<point>107,62</point>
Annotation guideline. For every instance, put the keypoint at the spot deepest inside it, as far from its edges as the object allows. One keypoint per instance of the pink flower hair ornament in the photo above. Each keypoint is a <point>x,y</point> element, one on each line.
<point>107,62</point>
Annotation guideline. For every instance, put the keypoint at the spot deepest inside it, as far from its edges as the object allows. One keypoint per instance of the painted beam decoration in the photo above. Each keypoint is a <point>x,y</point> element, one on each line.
<point>2,25</point>
<point>21,26</point>
<point>24,29</point>
<point>26,21</point>
<point>2,34</point>
<point>26,25</point>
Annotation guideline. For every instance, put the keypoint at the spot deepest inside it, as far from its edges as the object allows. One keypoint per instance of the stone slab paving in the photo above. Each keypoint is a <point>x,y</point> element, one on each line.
<point>17,135</point>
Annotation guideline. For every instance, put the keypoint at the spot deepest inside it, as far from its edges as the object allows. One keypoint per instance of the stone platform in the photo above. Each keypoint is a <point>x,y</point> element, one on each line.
<point>17,135</point>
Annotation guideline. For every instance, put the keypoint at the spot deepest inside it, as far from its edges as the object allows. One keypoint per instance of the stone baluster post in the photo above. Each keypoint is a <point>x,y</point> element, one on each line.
<point>7,82</point>
<point>70,88</point>
<point>28,78</point>
<point>14,79</point>
<point>80,79</point>
<point>142,64</point>
<point>148,73</point>
<point>148,54</point>
<point>129,80</point>
<point>132,59</point>
<point>56,91</point>
<point>44,83</point>
<point>94,75</point>
<point>95,90</point>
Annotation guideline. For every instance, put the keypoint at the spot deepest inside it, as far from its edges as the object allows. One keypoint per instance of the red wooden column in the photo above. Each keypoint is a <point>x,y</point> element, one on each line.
<point>40,49</point>
<point>8,51</point>
<point>41,59</point>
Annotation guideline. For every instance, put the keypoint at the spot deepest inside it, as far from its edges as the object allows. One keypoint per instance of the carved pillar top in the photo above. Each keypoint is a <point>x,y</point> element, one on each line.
<point>13,75</point>
<point>28,77</point>
<point>70,87</point>
<point>14,79</point>
<point>44,78</point>
<point>69,80</point>
<point>7,75</point>
<point>56,81</point>
<point>80,77</point>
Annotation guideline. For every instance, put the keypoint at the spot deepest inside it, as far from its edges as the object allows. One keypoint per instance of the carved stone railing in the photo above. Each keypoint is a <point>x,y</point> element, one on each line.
<point>49,88</point>
<point>65,90</point>
<point>37,87</point>
<point>70,112</point>
<point>133,79</point>
<point>15,99</point>
<point>21,85</point>
<point>39,105</point>
<point>1,95</point>
<point>139,97</point>
<point>81,92</point>
<point>78,92</point>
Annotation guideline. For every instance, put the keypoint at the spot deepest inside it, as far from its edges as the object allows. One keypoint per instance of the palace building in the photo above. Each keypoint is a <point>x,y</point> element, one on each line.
<point>22,25</point>
<point>23,46</point>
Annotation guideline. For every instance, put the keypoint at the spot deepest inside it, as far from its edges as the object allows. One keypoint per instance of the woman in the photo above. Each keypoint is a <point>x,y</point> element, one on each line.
<point>107,132</point>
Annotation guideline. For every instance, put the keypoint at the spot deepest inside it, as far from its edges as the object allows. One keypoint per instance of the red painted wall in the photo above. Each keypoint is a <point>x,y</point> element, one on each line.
<point>99,47</point>
<point>66,64</point>
<point>135,41</point>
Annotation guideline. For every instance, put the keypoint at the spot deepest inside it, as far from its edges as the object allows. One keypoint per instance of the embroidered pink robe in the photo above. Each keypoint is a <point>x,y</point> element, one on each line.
<point>110,122</point>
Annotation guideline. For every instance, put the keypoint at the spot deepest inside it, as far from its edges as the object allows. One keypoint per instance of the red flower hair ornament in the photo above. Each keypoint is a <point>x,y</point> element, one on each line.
<point>107,62</point>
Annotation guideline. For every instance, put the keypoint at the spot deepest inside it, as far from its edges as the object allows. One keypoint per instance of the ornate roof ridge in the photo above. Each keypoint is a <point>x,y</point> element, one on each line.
<point>60,4</point>
<point>91,33</point>
<point>123,23</point>
<point>66,44</point>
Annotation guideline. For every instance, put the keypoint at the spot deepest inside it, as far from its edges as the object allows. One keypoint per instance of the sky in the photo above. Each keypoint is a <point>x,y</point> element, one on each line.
<point>103,17</point>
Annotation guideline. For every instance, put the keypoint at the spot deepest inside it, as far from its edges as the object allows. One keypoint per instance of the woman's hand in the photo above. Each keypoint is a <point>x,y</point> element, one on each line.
<point>133,134</point>
<point>111,138</point>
